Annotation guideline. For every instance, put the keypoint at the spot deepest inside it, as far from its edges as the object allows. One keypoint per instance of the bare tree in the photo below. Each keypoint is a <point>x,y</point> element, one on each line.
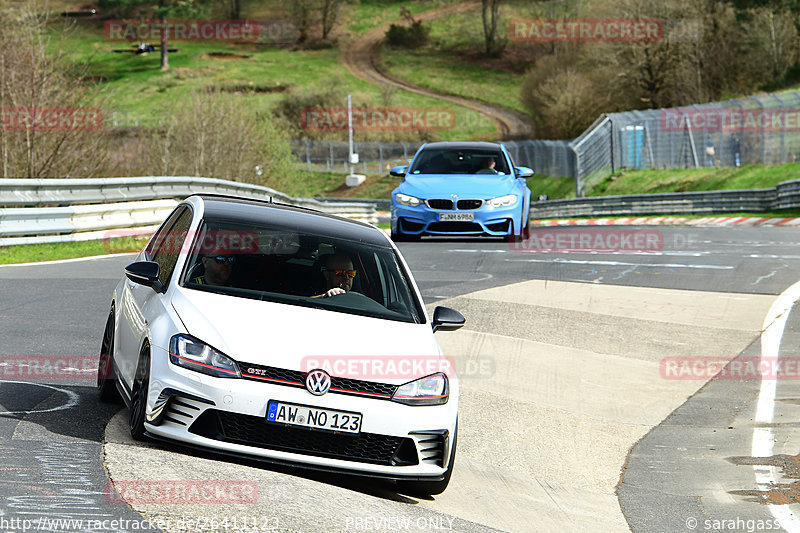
<point>302,14</point>
<point>51,116</point>
<point>236,9</point>
<point>493,44</point>
<point>219,136</point>
<point>330,12</point>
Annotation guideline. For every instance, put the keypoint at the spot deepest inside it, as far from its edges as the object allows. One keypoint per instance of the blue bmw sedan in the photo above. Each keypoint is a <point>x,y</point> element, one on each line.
<point>460,189</point>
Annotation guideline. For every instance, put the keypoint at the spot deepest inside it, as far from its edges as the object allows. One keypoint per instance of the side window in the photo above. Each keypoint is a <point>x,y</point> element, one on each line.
<point>167,245</point>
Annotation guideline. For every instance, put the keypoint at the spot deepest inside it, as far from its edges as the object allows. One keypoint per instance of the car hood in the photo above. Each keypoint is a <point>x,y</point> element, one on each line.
<point>290,337</point>
<point>483,186</point>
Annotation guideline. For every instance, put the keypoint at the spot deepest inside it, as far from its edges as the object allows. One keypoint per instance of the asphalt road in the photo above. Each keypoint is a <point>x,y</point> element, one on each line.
<point>688,458</point>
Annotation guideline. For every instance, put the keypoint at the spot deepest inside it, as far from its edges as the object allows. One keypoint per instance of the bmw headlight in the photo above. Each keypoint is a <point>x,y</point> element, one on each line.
<point>503,201</point>
<point>193,354</point>
<point>430,390</point>
<point>404,199</point>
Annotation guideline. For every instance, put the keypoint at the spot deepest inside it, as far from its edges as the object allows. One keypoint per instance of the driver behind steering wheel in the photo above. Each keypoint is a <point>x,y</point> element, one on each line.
<point>337,269</point>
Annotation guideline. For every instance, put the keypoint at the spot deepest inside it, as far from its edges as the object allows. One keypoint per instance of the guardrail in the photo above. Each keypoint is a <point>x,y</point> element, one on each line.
<point>57,210</point>
<point>785,195</point>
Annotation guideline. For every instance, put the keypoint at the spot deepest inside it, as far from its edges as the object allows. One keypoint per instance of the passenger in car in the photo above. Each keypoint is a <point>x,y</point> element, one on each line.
<point>216,270</point>
<point>337,269</point>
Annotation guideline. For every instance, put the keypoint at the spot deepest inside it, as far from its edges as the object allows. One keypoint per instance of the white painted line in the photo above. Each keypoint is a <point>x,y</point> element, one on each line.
<point>772,333</point>
<point>72,399</point>
<point>618,263</point>
<point>59,261</point>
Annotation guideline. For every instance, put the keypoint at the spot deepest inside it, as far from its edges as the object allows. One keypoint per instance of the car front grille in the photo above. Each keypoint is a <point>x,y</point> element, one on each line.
<point>438,203</point>
<point>296,378</point>
<point>455,227</point>
<point>469,204</point>
<point>255,431</point>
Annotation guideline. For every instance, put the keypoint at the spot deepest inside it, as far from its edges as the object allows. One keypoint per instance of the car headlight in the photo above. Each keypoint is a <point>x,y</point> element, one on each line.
<point>404,199</point>
<point>503,201</point>
<point>188,352</point>
<point>430,390</point>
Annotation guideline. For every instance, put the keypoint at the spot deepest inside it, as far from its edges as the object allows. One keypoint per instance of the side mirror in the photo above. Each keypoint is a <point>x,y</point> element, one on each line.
<point>523,172</point>
<point>446,319</point>
<point>398,171</point>
<point>145,273</point>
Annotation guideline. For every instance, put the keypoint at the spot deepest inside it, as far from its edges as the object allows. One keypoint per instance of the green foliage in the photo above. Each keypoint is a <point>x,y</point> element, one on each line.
<point>414,36</point>
<point>155,8</point>
<point>648,181</point>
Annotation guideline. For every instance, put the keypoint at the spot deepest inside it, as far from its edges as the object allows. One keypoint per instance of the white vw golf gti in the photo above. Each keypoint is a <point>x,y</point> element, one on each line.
<point>265,330</point>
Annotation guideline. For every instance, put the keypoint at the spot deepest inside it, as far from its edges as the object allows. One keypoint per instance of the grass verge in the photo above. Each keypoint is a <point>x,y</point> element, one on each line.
<point>34,253</point>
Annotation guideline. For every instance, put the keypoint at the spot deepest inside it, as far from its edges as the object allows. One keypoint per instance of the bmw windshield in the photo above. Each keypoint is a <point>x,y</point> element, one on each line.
<point>465,161</point>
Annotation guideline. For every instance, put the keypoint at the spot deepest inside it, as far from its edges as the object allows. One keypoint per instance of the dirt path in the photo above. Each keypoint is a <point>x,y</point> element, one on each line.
<point>360,56</point>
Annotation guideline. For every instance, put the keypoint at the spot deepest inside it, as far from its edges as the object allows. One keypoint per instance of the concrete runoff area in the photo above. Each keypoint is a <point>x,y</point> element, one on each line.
<point>559,381</point>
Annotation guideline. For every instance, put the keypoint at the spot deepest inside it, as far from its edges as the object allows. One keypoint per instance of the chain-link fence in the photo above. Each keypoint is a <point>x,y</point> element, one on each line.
<point>546,158</point>
<point>549,158</point>
<point>334,156</point>
<point>761,129</point>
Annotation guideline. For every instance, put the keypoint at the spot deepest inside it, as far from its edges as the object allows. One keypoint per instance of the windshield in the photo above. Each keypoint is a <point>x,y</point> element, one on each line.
<point>279,264</point>
<point>435,161</point>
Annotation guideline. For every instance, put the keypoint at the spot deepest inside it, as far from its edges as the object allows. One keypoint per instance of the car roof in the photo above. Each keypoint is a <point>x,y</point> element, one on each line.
<point>303,219</point>
<point>462,145</point>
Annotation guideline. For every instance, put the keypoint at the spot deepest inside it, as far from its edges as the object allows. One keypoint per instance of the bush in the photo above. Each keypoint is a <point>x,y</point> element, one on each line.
<point>218,136</point>
<point>414,36</point>
<point>563,102</point>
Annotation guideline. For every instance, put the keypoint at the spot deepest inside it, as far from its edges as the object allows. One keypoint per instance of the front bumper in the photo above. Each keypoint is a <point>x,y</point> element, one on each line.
<point>229,415</point>
<point>422,220</point>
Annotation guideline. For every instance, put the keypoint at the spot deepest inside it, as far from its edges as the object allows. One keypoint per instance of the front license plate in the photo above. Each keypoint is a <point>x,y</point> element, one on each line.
<point>313,417</point>
<point>456,217</point>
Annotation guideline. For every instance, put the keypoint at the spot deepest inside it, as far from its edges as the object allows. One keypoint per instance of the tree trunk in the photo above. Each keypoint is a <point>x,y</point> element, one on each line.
<point>489,10</point>
<point>236,9</point>
<point>164,50</point>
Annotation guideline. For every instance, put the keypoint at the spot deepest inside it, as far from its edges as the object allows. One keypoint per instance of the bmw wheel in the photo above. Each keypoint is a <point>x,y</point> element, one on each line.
<point>138,407</point>
<point>105,370</point>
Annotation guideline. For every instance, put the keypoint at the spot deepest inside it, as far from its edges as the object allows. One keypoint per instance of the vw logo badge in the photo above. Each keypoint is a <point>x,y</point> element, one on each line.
<point>318,382</point>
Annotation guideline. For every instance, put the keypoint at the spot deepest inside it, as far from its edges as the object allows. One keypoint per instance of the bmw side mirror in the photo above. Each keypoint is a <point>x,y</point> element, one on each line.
<point>398,171</point>
<point>145,273</point>
<point>523,172</point>
<point>446,319</point>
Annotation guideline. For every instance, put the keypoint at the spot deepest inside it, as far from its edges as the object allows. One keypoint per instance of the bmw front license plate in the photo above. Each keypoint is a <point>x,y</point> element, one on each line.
<point>456,217</point>
<point>313,417</point>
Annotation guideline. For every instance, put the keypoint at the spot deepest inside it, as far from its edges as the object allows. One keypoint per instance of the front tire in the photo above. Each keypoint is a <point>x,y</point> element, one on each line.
<point>106,377</point>
<point>138,407</point>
